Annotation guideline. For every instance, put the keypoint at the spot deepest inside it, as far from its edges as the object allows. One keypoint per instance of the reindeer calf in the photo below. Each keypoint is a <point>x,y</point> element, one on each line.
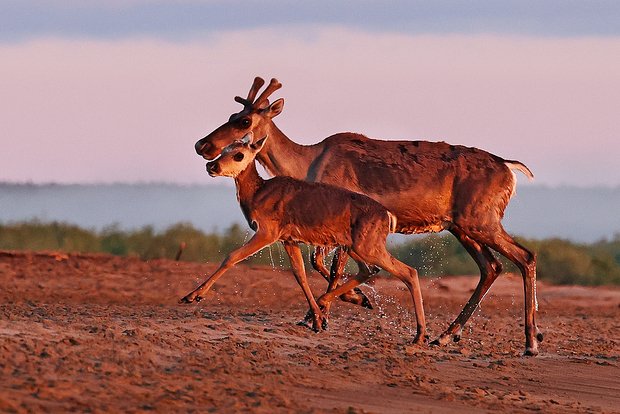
<point>293,211</point>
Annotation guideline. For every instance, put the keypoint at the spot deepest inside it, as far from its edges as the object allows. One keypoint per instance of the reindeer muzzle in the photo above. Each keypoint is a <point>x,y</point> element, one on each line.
<point>202,147</point>
<point>213,168</point>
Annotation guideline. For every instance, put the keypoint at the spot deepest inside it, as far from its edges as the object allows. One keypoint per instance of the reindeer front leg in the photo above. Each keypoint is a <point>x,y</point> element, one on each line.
<point>297,265</point>
<point>256,243</point>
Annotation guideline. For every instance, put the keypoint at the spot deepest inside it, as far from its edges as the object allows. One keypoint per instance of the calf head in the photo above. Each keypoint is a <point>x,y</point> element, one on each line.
<point>236,157</point>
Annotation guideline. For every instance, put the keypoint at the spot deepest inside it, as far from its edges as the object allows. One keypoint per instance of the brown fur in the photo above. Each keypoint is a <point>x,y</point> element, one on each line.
<point>293,211</point>
<point>428,186</point>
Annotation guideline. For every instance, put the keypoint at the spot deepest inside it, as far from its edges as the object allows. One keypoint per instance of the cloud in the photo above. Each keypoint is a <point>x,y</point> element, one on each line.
<point>185,19</point>
<point>131,110</point>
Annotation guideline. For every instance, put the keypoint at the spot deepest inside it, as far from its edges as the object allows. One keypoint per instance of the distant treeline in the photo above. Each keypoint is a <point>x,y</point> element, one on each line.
<point>559,261</point>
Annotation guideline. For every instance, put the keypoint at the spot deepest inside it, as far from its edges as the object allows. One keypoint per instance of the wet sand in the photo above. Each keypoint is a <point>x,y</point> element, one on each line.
<point>96,333</point>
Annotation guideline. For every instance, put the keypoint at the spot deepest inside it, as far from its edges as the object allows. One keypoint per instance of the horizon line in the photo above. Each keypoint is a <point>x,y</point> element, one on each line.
<point>228,183</point>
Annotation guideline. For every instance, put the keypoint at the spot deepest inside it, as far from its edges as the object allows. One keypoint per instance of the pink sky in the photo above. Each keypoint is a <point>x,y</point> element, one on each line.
<point>131,110</point>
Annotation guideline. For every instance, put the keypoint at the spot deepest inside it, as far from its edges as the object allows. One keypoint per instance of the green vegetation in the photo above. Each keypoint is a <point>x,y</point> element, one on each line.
<point>144,243</point>
<point>559,261</point>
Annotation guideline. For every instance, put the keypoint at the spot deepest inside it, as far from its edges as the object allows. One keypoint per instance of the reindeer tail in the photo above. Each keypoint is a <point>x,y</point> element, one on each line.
<point>518,165</point>
<point>392,221</point>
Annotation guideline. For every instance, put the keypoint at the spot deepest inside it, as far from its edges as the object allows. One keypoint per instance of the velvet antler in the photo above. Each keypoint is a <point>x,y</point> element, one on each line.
<point>250,103</point>
<point>258,83</point>
<point>273,86</point>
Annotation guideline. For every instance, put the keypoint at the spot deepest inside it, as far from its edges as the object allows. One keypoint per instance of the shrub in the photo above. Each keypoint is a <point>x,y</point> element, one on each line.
<point>559,261</point>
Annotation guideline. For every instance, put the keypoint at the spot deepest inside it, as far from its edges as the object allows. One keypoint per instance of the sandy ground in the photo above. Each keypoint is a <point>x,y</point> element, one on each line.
<point>95,333</point>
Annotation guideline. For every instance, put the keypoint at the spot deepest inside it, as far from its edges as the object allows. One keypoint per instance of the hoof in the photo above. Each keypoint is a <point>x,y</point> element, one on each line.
<point>540,336</point>
<point>442,340</point>
<point>191,297</point>
<point>185,299</point>
<point>304,323</point>
<point>366,302</point>
<point>356,297</point>
<point>314,327</point>
<point>307,318</point>
<point>319,323</point>
<point>456,338</point>
<point>420,339</point>
<point>530,352</point>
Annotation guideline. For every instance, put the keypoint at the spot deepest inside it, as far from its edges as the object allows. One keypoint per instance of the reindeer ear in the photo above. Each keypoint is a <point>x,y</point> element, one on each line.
<point>275,108</point>
<point>258,145</point>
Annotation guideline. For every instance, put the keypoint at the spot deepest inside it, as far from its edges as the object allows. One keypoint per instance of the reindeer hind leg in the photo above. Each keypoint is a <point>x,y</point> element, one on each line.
<point>334,275</point>
<point>490,269</point>
<point>525,260</point>
<point>355,295</point>
<point>317,260</point>
<point>362,276</point>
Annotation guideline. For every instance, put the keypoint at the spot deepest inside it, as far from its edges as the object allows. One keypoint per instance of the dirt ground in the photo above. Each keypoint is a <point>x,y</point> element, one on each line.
<point>96,333</point>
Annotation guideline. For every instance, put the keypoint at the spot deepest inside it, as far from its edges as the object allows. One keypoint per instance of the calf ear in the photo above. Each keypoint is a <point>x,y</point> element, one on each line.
<point>258,145</point>
<point>275,108</point>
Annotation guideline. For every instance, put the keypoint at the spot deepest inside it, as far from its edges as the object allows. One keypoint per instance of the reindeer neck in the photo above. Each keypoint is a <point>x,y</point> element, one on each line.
<point>248,182</point>
<point>281,156</point>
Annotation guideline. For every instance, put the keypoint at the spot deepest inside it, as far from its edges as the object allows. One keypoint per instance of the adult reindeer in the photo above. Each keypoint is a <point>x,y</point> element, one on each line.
<point>428,186</point>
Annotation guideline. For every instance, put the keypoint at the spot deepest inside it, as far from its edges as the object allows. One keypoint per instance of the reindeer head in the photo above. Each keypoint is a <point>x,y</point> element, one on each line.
<point>255,118</point>
<point>236,157</point>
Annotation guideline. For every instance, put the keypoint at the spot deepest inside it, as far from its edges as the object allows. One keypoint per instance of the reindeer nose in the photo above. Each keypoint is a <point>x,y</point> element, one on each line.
<point>213,168</point>
<point>201,147</point>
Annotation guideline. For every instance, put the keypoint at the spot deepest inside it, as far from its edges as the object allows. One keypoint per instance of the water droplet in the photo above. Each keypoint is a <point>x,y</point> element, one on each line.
<point>273,266</point>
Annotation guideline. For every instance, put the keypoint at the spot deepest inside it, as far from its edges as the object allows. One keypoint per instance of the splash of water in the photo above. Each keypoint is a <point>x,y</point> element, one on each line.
<point>273,265</point>
<point>281,261</point>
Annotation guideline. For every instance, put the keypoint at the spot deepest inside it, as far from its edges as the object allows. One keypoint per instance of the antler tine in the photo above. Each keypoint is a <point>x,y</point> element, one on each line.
<point>243,101</point>
<point>273,86</point>
<point>258,83</point>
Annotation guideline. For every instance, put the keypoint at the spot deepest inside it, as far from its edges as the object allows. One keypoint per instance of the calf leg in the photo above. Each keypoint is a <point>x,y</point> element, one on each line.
<point>355,296</point>
<point>256,243</point>
<point>297,264</point>
<point>379,256</point>
<point>317,259</point>
<point>362,276</point>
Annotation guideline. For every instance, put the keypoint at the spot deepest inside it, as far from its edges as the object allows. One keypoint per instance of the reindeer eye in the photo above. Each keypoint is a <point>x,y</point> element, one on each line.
<point>238,156</point>
<point>245,122</point>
